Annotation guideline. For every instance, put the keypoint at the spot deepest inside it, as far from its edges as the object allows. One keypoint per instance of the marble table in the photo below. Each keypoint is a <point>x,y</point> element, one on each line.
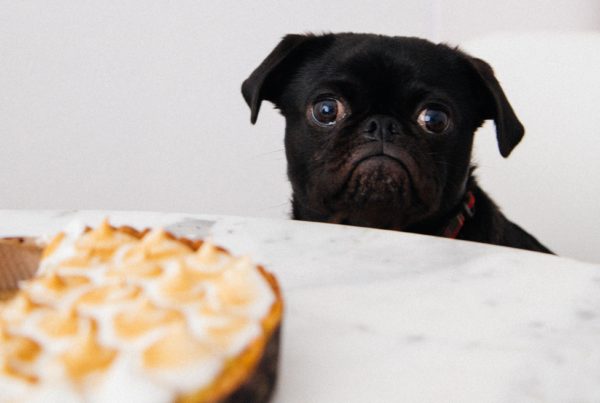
<point>380,316</point>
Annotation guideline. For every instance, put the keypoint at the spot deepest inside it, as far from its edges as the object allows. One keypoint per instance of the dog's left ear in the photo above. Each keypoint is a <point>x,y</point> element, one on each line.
<point>509,131</point>
<point>259,85</point>
<point>269,79</point>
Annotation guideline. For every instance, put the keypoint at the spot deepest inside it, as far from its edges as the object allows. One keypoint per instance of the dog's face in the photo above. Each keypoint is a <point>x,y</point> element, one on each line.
<point>379,130</point>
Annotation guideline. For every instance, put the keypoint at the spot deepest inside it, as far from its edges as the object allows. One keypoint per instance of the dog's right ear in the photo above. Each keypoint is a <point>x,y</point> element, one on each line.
<point>509,130</point>
<point>266,82</point>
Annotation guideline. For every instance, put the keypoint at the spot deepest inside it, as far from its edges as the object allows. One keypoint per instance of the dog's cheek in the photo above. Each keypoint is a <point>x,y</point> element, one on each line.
<point>297,150</point>
<point>452,157</point>
<point>307,155</point>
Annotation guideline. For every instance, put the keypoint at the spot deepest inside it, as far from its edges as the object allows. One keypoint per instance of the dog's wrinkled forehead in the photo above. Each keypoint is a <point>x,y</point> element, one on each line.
<point>384,68</point>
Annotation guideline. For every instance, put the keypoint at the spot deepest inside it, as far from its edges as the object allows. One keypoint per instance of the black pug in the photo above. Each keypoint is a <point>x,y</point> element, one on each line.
<point>379,132</point>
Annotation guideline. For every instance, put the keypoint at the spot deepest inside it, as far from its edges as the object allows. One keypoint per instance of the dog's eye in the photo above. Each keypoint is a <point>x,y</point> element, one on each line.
<point>433,120</point>
<point>327,111</point>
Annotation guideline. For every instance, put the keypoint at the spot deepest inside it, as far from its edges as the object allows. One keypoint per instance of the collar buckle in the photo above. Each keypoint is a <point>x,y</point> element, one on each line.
<point>469,204</point>
<point>457,222</point>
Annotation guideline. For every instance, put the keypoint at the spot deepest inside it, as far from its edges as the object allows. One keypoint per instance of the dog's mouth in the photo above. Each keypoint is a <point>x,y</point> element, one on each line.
<point>385,158</point>
<point>378,176</point>
<point>378,159</point>
<point>381,157</point>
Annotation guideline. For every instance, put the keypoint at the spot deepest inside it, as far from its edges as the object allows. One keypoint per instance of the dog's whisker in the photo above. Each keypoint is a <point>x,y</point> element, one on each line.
<point>272,207</point>
<point>279,150</point>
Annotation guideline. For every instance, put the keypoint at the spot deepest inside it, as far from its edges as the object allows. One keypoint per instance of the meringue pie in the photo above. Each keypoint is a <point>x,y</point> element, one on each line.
<point>120,315</point>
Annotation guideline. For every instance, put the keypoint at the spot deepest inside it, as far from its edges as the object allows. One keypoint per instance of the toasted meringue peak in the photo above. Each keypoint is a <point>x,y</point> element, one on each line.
<point>232,287</point>
<point>18,347</point>
<point>183,284</point>
<point>59,283</point>
<point>157,244</point>
<point>17,308</point>
<point>110,294</point>
<point>56,324</point>
<point>14,373</point>
<point>208,255</point>
<point>53,245</point>
<point>86,354</point>
<point>179,348</point>
<point>143,318</point>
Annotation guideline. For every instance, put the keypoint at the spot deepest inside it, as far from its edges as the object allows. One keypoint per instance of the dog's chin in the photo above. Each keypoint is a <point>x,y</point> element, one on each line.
<point>378,193</point>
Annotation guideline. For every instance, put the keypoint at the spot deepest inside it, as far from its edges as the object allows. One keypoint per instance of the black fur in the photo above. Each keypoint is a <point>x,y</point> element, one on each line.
<point>376,166</point>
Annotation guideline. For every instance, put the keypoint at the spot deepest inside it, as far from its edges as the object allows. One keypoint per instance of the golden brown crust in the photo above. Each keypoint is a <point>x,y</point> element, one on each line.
<point>19,257</point>
<point>245,367</point>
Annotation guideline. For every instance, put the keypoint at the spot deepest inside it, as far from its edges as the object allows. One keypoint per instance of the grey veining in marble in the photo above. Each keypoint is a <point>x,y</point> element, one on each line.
<point>385,316</point>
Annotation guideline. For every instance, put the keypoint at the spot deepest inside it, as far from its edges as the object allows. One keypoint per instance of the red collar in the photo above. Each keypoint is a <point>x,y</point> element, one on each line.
<point>458,221</point>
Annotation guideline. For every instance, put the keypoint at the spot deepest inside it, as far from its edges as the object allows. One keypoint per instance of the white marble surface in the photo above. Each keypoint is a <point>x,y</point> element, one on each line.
<point>385,316</point>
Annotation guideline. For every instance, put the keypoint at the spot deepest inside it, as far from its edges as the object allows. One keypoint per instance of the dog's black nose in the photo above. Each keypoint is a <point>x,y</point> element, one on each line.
<point>381,128</point>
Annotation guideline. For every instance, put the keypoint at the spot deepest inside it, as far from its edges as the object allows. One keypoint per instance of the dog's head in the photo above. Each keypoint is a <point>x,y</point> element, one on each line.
<point>379,130</point>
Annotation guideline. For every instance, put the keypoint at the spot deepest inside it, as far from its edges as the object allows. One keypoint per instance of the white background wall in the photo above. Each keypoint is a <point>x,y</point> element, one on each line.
<point>550,184</point>
<point>136,104</point>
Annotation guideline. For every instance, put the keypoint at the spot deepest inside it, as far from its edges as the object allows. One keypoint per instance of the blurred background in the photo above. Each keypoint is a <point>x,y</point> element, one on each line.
<point>136,105</point>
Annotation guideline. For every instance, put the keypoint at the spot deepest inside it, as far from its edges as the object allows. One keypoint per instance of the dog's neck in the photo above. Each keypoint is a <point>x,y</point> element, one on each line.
<point>456,223</point>
<point>448,223</point>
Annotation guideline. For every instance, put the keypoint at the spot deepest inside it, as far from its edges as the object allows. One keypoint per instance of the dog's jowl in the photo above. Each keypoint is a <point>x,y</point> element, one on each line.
<point>379,132</point>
